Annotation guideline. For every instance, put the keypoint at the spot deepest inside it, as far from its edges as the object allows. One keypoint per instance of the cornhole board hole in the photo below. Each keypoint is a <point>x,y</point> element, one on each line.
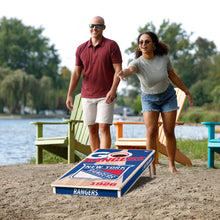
<point>106,172</point>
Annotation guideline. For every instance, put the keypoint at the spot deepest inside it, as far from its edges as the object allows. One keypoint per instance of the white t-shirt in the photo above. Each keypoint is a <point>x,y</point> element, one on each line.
<point>153,74</point>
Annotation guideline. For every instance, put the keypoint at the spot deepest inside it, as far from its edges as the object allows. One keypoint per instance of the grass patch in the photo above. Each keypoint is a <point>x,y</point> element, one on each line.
<point>49,158</point>
<point>194,149</point>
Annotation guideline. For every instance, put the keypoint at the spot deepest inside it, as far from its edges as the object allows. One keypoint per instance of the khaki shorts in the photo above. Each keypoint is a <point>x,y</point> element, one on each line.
<point>95,110</point>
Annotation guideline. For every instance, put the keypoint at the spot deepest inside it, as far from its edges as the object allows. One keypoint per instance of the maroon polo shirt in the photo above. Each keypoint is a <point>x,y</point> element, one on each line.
<point>97,62</point>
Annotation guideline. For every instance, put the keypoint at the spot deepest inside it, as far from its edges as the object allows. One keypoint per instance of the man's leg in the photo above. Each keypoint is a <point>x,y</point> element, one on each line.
<point>89,117</point>
<point>105,136</point>
<point>105,118</point>
<point>94,140</point>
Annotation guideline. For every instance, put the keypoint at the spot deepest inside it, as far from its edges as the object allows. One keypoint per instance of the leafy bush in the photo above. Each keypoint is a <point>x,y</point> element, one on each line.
<point>199,114</point>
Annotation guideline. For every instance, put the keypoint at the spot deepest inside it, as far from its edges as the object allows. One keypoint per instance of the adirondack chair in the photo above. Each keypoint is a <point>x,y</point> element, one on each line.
<point>71,147</point>
<point>140,143</point>
<point>213,143</point>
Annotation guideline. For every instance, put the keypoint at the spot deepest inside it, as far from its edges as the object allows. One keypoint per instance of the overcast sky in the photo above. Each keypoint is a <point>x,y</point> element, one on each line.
<point>66,21</point>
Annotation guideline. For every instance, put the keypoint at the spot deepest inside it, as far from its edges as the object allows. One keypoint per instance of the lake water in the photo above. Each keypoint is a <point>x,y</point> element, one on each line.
<point>17,137</point>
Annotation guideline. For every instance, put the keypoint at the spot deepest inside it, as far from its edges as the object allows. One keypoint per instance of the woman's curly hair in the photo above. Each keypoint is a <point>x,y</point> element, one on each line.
<point>160,47</point>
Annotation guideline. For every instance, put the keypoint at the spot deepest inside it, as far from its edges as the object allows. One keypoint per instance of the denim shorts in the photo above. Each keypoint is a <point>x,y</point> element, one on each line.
<point>162,102</point>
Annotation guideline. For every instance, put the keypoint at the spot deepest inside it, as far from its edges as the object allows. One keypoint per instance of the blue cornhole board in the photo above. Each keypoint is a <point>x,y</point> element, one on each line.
<point>106,172</point>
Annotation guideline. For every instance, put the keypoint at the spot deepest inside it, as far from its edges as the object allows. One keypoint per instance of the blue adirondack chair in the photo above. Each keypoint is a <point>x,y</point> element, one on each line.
<point>213,143</point>
<point>72,147</point>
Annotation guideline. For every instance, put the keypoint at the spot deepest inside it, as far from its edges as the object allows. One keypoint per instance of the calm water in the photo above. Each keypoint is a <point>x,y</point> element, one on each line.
<point>17,137</point>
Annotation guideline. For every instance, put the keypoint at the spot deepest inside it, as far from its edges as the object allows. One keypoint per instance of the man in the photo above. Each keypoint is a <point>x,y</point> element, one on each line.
<point>100,60</point>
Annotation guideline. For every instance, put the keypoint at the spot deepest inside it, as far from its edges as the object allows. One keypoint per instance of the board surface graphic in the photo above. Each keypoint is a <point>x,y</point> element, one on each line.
<point>106,172</point>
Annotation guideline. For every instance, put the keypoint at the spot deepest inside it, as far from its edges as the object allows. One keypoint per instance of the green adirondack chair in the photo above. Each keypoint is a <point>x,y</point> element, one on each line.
<point>72,147</point>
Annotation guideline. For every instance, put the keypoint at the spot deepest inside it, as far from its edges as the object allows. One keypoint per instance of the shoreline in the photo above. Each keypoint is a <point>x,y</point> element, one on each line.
<point>31,116</point>
<point>117,118</point>
<point>130,118</point>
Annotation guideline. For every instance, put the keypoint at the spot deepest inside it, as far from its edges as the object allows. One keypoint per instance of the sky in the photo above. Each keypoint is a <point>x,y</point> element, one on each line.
<point>65,22</point>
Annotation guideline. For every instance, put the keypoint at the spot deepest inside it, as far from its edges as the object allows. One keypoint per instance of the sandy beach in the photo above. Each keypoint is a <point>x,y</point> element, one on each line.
<point>26,193</point>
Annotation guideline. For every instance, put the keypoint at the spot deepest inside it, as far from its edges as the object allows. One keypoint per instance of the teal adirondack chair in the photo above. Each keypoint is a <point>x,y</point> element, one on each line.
<point>213,143</point>
<point>72,147</point>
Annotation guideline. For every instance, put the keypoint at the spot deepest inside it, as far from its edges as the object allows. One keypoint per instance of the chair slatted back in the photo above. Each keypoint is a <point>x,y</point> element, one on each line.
<point>181,98</point>
<point>81,131</point>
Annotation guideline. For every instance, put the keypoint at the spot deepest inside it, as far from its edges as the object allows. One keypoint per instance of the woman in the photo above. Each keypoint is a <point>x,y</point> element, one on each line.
<point>154,70</point>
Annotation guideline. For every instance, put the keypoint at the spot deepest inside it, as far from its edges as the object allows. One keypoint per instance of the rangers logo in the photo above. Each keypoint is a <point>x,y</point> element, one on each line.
<point>101,172</point>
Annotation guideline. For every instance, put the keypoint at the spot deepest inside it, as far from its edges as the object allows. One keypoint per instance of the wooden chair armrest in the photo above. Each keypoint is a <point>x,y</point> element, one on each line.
<point>39,126</point>
<point>47,123</point>
<point>127,122</point>
<point>75,121</point>
<point>119,126</point>
<point>180,123</point>
<point>210,123</point>
<point>140,123</point>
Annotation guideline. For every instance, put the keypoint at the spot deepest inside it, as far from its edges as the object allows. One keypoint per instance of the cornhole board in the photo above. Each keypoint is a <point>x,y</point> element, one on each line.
<point>105,172</point>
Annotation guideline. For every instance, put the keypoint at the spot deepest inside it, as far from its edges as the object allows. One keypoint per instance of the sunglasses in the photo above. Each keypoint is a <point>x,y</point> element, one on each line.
<point>96,25</point>
<point>145,41</point>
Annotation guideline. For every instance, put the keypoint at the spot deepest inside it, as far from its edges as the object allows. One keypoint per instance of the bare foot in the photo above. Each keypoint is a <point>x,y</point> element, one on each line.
<point>174,170</point>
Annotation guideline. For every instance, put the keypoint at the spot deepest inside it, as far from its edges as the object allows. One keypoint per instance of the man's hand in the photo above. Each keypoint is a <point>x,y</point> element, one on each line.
<point>69,103</point>
<point>110,97</point>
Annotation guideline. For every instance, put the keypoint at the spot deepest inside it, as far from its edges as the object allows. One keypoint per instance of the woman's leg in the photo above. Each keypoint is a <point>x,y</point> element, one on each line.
<point>151,122</point>
<point>169,119</point>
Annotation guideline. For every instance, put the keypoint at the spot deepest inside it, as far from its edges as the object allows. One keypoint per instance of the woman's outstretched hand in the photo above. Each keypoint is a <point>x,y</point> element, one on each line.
<point>121,75</point>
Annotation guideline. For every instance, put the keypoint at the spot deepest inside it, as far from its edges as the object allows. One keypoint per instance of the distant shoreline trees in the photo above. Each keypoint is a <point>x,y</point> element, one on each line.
<point>197,63</point>
<point>29,69</point>
<point>30,74</point>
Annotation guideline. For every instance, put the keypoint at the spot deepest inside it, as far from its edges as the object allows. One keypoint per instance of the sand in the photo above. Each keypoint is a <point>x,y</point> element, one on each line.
<point>26,193</point>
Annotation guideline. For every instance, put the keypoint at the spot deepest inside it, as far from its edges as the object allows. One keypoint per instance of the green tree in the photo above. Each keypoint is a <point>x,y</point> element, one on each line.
<point>46,95</point>
<point>179,41</point>
<point>204,49</point>
<point>196,63</point>
<point>33,93</point>
<point>14,90</point>
<point>216,96</point>
<point>205,89</point>
<point>204,52</point>
<point>214,69</point>
<point>184,69</point>
<point>4,72</point>
<point>24,47</point>
<point>62,87</point>
<point>137,104</point>
<point>176,37</point>
<point>201,92</point>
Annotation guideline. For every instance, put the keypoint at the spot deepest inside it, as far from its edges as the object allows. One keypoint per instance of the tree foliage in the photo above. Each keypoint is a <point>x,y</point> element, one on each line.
<point>196,63</point>
<point>15,88</point>
<point>29,69</point>
<point>30,74</point>
<point>24,47</point>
